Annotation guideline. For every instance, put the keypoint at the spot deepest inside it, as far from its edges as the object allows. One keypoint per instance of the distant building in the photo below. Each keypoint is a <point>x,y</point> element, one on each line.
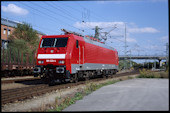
<point>7,28</point>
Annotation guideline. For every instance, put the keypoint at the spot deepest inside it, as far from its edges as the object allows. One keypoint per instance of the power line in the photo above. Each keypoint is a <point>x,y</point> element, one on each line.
<point>83,15</point>
<point>41,16</point>
<point>94,14</point>
<point>67,13</point>
<point>58,19</point>
<point>51,10</point>
<point>71,7</point>
<point>77,10</point>
<point>52,17</point>
<point>63,10</point>
<point>36,10</point>
<point>50,30</point>
<point>118,40</point>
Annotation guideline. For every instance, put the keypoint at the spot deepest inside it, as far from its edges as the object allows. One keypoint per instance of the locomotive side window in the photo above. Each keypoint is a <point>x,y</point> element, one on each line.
<point>77,44</point>
<point>53,42</point>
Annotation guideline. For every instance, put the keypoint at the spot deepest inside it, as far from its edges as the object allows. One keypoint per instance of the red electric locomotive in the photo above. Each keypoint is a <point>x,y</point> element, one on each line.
<point>71,57</point>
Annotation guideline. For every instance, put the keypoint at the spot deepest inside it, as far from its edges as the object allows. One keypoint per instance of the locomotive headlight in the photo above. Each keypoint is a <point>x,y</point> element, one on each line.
<point>41,62</point>
<point>61,62</point>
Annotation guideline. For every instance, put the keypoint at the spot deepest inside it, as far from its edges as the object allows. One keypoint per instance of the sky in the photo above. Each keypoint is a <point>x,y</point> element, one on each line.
<point>142,23</point>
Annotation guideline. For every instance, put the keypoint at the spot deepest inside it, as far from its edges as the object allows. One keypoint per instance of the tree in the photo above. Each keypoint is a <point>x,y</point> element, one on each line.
<point>24,39</point>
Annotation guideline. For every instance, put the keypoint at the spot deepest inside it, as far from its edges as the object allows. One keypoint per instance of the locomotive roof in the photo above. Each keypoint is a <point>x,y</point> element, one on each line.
<point>98,43</point>
<point>85,38</point>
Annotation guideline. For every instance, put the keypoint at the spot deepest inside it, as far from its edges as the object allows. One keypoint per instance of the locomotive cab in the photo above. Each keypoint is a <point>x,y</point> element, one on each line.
<point>51,58</point>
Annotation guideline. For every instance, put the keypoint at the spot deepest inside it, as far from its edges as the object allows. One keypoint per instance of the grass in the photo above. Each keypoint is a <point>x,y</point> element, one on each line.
<point>149,74</point>
<point>68,101</point>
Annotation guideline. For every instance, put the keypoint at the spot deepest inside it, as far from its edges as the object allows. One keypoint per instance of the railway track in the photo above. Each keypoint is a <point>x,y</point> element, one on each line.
<point>13,95</point>
<point>18,80</point>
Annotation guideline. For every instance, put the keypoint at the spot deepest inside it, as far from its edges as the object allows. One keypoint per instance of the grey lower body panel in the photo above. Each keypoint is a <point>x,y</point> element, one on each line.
<point>92,66</point>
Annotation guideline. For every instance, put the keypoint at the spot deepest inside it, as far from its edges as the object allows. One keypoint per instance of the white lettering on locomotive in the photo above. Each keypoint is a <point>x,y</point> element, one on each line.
<point>50,60</point>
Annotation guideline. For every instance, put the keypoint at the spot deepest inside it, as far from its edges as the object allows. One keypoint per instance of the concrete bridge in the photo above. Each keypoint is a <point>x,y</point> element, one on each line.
<point>159,58</point>
<point>121,57</point>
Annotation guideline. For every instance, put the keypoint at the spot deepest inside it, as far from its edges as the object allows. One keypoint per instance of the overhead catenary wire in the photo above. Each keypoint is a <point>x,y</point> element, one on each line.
<point>33,25</point>
<point>58,19</point>
<point>84,23</point>
<point>44,14</point>
<point>52,11</point>
<point>63,10</point>
<point>49,16</point>
<point>54,16</point>
<point>94,14</point>
<point>87,24</point>
<point>68,14</point>
<point>52,20</point>
<point>77,10</point>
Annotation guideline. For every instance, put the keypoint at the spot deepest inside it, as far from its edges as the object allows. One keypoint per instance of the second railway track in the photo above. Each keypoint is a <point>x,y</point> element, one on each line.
<point>12,95</point>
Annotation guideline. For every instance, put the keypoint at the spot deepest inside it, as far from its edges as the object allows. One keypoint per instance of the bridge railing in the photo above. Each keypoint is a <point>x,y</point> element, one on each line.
<point>142,55</point>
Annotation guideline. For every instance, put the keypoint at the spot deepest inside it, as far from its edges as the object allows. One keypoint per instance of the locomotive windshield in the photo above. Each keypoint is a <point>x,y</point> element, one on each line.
<point>53,42</point>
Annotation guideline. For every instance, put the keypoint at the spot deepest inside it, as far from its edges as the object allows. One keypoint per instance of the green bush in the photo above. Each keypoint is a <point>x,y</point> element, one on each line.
<point>149,74</point>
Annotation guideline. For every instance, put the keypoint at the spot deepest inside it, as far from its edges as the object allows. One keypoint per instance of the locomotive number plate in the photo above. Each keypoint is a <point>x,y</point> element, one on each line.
<point>50,60</point>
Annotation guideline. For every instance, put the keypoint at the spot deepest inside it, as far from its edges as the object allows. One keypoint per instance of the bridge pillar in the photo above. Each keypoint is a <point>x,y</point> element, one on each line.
<point>159,63</point>
<point>155,65</point>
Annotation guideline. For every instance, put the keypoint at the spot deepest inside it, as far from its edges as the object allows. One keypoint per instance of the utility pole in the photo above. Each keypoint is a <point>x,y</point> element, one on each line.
<point>130,56</point>
<point>125,63</point>
<point>130,59</point>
